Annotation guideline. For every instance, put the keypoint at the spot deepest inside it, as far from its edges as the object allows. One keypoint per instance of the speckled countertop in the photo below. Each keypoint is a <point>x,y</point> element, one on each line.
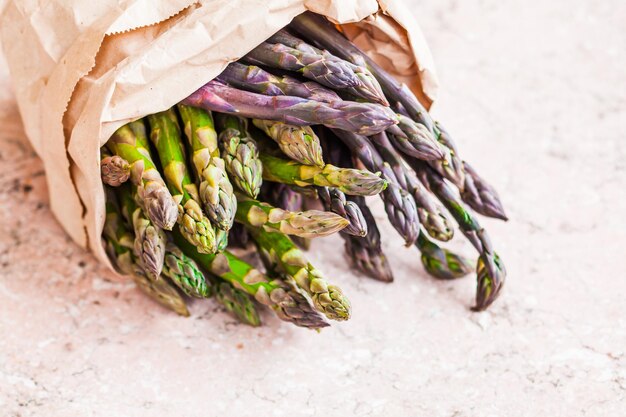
<point>536,95</point>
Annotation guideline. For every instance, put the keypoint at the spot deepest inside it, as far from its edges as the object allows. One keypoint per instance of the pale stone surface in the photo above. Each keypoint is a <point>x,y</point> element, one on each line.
<point>535,94</point>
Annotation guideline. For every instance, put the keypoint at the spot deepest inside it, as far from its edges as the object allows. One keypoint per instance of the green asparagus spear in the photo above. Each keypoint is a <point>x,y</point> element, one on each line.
<point>194,225</point>
<point>163,293</point>
<point>442,263</point>
<point>237,302</point>
<point>240,153</point>
<point>150,240</point>
<point>307,224</point>
<point>299,143</point>
<point>350,181</point>
<point>153,196</point>
<point>184,272</point>
<point>290,261</point>
<point>119,242</point>
<point>281,296</point>
<point>215,189</point>
<point>118,238</point>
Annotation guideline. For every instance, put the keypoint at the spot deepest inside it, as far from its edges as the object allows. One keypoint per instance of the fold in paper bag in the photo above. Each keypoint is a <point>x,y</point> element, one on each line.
<point>81,69</point>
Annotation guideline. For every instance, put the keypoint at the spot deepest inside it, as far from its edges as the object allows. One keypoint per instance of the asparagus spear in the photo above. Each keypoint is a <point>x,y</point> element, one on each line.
<point>415,140</point>
<point>333,199</point>
<point>282,297</point>
<point>336,202</point>
<point>119,242</point>
<point>440,262</point>
<point>430,212</point>
<point>150,240</point>
<point>307,224</point>
<point>255,79</point>
<point>366,87</point>
<point>152,194</point>
<point>322,33</point>
<point>184,272</point>
<point>290,260</point>
<point>399,204</point>
<point>240,153</point>
<point>285,197</point>
<point>365,253</point>
<point>299,143</point>
<point>215,189</point>
<point>451,167</point>
<point>118,239</point>
<point>491,271</point>
<point>114,170</point>
<point>193,224</point>
<point>362,118</point>
<point>163,293</point>
<point>480,195</point>
<point>237,302</point>
<point>350,181</point>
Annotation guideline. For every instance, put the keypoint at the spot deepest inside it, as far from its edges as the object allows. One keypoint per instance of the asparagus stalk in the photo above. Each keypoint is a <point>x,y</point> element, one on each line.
<point>255,79</point>
<point>415,140</point>
<point>241,154</point>
<point>119,242</point>
<point>299,143</point>
<point>322,33</point>
<point>290,260</point>
<point>184,272</point>
<point>150,240</point>
<point>282,297</point>
<point>451,167</point>
<point>215,189</point>
<point>349,181</point>
<point>490,269</point>
<point>440,262</point>
<point>365,253</point>
<point>237,303</point>
<point>366,87</point>
<point>153,196</point>
<point>362,118</point>
<point>114,170</point>
<point>431,214</point>
<point>118,239</point>
<point>163,293</point>
<point>193,224</point>
<point>285,197</point>
<point>480,195</point>
<point>399,204</point>
<point>308,224</point>
<point>335,201</point>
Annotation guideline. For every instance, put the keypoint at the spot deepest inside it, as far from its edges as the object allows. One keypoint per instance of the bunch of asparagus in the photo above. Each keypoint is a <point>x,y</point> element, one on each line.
<point>305,119</point>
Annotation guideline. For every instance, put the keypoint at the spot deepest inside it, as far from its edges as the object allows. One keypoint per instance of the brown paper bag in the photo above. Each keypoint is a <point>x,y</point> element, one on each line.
<point>81,69</point>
